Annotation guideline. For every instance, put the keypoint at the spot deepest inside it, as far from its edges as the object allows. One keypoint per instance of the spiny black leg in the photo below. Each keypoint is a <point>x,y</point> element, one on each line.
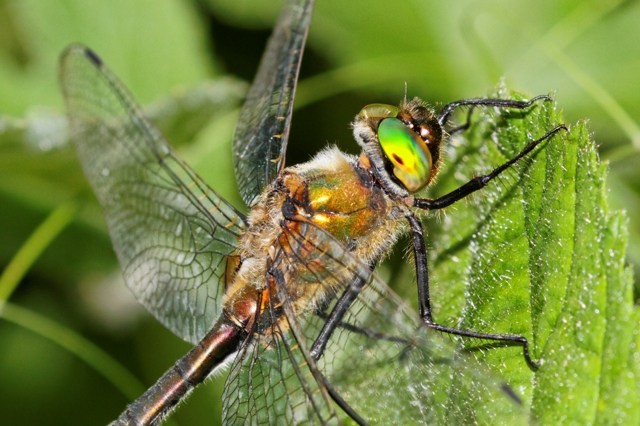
<point>337,313</point>
<point>498,103</point>
<point>422,269</point>
<point>480,182</point>
<point>342,403</point>
<point>465,126</point>
<point>424,303</point>
<point>368,333</point>
<point>514,338</point>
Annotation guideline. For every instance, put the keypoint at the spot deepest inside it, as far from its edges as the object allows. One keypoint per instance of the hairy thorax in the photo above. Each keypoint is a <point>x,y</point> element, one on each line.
<point>333,191</point>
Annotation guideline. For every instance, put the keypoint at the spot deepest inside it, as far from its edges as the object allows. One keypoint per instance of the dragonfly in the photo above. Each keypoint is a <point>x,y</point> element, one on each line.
<point>285,297</point>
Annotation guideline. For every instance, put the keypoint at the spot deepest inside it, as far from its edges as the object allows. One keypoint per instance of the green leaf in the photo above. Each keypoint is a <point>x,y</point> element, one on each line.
<point>538,253</point>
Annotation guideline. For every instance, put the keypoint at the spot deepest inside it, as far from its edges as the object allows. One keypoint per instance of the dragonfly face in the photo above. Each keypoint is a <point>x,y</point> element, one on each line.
<point>287,293</point>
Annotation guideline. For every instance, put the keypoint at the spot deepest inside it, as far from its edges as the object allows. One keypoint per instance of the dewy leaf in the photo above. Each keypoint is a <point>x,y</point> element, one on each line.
<point>538,253</point>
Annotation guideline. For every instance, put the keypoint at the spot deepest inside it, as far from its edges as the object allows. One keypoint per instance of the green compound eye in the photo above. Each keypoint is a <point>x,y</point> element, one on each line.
<point>409,155</point>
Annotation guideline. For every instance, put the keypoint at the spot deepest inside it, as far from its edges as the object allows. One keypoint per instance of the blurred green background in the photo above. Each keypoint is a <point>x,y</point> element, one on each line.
<point>187,63</point>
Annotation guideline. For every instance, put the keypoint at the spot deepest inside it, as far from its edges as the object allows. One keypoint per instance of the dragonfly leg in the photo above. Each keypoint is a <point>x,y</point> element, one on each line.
<point>464,126</point>
<point>365,332</point>
<point>333,393</point>
<point>424,302</point>
<point>480,182</point>
<point>445,113</point>
<point>334,319</point>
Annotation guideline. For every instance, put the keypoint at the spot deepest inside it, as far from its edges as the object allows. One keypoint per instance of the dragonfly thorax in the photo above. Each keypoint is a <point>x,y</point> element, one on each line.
<point>333,191</point>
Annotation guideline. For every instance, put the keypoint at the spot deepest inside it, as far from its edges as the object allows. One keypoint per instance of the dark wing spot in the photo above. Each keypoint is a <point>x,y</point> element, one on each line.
<point>398,159</point>
<point>93,57</point>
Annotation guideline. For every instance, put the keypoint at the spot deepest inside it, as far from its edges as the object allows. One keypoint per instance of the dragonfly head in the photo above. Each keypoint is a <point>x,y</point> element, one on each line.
<point>403,143</point>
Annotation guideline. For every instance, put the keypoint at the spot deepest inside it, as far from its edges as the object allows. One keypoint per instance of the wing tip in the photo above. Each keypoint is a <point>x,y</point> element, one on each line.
<point>79,49</point>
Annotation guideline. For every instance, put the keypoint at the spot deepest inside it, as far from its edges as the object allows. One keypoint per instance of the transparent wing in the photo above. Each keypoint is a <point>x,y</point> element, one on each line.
<point>260,140</point>
<point>171,232</point>
<point>271,382</point>
<point>380,359</point>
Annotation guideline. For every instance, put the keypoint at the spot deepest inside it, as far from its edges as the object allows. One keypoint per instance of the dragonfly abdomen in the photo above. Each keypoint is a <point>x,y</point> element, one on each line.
<point>189,371</point>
